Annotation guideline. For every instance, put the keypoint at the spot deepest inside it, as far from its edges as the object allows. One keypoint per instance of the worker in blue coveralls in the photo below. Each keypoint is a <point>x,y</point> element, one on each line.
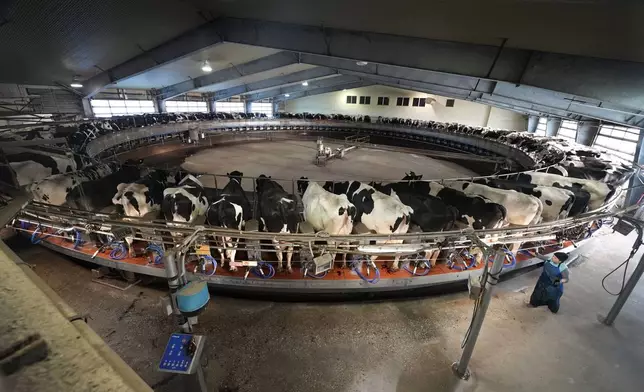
<point>550,286</point>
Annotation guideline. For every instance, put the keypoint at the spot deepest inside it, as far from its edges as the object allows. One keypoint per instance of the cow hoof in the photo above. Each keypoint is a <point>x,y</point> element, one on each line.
<point>233,269</point>
<point>392,269</point>
<point>289,270</point>
<point>280,269</point>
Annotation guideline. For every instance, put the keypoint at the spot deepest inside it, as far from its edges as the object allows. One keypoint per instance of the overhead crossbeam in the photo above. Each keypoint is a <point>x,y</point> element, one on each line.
<point>618,82</point>
<point>321,83</point>
<point>183,45</point>
<point>263,64</point>
<point>324,90</point>
<point>306,75</point>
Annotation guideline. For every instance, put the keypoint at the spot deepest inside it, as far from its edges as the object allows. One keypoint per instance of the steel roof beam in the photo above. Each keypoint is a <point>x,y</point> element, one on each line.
<point>324,90</point>
<point>328,82</point>
<point>267,63</point>
<point>183,45</point>
<point>619,82</point>
<point>308,74</point>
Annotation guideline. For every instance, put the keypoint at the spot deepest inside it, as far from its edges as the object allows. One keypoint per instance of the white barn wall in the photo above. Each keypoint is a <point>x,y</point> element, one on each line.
<point>463,112</point>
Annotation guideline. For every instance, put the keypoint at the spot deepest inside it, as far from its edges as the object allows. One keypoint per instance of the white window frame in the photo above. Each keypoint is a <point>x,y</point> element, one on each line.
<point>541,126</point>
<point>120,107</point>
<point>229,107</point>
<point>568,130</point>
<point>262,107</point>
<point>186,106</point>
<point>618,140</point>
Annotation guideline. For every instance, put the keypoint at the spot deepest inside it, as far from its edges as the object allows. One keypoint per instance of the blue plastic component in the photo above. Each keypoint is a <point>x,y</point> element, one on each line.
<point>176,356</point>
<point>193,297</point>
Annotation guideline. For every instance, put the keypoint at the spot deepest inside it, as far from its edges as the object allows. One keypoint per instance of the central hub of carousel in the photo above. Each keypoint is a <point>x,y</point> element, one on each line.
<point>296,236</point>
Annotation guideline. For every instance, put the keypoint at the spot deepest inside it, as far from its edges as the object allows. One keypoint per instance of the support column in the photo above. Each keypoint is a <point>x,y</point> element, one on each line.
<point>552,126</point>
<point>212,108</point>
<point>160,105</point>
<point>636,186</point>
<point>87,108</point>
<point>247,106</point>
<point>587,131</point>
<point>533,123</point>
<point>276,107</point>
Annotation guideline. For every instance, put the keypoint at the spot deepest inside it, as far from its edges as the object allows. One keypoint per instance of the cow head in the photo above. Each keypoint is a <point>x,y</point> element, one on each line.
<point>235,175</point>
<point>261,182</point>
<point>302,184</point>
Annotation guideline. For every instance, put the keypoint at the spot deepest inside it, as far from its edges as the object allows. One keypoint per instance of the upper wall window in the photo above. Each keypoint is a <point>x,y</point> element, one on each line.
<point>230,107</point>
<point>120,107</point>
<point>186,106</point>
<point>365,100</point>
<point>541,127</point>
<point>449,103</point>
<point>262,107</point>
<point>418,102</point>
<point>402,101</point>
<point>383,101</point>
<point>352,99</point>
<point>568,129</point>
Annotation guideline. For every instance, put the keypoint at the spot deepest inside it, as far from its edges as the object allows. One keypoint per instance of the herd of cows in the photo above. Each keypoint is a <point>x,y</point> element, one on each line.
<point>584,181</point>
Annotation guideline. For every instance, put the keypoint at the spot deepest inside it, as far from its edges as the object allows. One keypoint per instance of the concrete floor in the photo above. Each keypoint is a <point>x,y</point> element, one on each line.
<point>382,346</point>
<point>292,159</point>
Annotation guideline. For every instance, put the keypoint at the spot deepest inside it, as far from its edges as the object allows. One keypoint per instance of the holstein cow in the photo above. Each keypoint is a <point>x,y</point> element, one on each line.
<point>599,191</point>
<point>430,212</point>
<point>185,202</point>
<point>97,194</point>
<point>54,189</point>
<point>557,202</point>
<point>230,211</point>
<point>31,167</point>
<point>327,212</point>
<point>140,198</point>
<point>277,214</point>
<point>378,212</point>
<point>474,211</point>
<point>521,209</point>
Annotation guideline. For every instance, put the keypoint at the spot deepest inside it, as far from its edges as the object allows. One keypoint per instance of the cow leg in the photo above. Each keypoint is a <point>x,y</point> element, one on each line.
<point>278,253</point>
<point>332,244</point>
<point>221,241</point>
<point>230,253</point>
<point>289,257</point>
<point>130,248</point>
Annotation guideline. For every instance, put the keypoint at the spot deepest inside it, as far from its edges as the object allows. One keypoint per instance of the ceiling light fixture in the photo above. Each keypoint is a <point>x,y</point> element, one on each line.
<point>206,67</point>
<point>361,63</point>
<point>287,95</point>
<point>75,83</point>
<point>305,83</point>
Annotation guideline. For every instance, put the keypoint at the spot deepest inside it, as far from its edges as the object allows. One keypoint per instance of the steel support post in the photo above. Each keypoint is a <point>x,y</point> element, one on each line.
<point>552,126</point>
<point>247,105</point>
<point>533,122</point>
<point>623,296</point>
<point>636,186</point>
<point>460,367</point>
<point>587,131</point>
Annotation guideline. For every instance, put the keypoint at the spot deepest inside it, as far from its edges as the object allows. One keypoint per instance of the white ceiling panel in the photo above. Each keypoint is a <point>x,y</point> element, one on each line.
<point>219,56</point>
<point>257,77</point>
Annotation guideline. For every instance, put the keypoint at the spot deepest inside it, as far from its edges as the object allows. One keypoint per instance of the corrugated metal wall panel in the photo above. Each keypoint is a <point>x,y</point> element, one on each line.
<point>55,101</point>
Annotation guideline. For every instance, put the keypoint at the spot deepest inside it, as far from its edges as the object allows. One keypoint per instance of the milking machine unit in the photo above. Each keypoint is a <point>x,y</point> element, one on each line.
<point>313,267</point>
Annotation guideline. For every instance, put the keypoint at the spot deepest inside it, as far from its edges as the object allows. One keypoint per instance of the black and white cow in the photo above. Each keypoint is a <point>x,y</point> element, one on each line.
<point>522,209</point>
<point>557,202</point>
<point>430,212</point>
<point>96,195</point>
<point>230,211</point>
<point>327,212</point>
<point>599,192</point>
<point>54,189</point>
<point>473,211</point>
<point>34,166</point>
<point>277,214</point>
<point>185,202</point>
<point>377,211</point>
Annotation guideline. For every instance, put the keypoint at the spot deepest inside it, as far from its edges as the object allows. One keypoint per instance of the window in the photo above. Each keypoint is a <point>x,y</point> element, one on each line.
<point>352,99</point>
<point>449,103</point>
<point>262,107</point>
<point>618,140</point>
<point>418,102</point>
<point>541,127</point>
<point>365,100</point>
<point>383,101</point>
<point>120,107</point>
<point>568,130</point>
<point>186,106</point>
<point>230,107</point>
<point>402,101</point>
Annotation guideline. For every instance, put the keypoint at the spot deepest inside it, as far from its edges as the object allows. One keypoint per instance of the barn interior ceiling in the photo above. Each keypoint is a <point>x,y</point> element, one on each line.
<point>572,59</point>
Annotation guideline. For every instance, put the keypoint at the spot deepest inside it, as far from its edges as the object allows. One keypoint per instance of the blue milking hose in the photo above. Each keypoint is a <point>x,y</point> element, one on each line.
<point>34,236</point>
<point>158,259</point>
<point>260,264</point>
<point>427,267</point>
<point>513,260</point>
<point>459,268</point>
<point>355,265</point>
<point>320,276</point>
<point>77,239</point>
<point>213,261</point>
<point>119,252</point>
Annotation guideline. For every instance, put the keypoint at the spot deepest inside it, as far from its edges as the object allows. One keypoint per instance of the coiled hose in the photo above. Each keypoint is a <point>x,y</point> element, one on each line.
<point>158,259</point>
<point>357,263</point>
<point>257,271</point>
<point>119,251</point>
<point>451,263</point>
<point>78,239</point>
<point>35,238</point>
<point>319,276</point>
<point>513,260</point>
<point>422,260</point>
<point>212,261</point>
